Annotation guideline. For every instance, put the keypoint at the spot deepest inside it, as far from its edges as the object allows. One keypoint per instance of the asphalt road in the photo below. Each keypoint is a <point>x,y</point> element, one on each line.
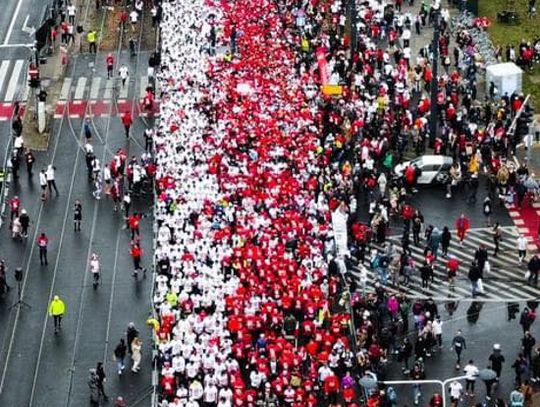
<point>36,367</point>
<point>481,329</point>
<point>13,17</point>
<point>440,211</point>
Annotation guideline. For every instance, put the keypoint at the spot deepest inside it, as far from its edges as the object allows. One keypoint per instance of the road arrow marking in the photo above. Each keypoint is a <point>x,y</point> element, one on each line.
<point>25,28</point>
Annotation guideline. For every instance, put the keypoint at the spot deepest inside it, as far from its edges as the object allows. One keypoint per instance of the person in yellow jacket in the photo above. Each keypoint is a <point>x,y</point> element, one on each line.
<point>57,309</point>
<point>172,299</point>
<point>91,37</point>
<point>473,165</point>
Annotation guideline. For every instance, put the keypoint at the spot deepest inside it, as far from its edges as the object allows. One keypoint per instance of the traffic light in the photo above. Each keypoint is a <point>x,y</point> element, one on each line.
<point>34,82</point>
<point>33,75</point>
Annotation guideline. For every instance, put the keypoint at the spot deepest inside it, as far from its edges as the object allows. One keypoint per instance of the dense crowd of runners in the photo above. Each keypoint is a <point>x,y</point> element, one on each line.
<point>253,159</point>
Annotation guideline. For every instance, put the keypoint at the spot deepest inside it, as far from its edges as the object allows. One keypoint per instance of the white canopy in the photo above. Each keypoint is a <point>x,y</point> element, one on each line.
<point>507,78</point>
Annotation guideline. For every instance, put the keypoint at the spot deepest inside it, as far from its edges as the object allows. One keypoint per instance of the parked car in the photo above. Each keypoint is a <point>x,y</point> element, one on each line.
<point>434,169</point>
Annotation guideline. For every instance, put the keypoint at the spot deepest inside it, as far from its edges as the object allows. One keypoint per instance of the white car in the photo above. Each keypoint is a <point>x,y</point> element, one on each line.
<point>434,169</point>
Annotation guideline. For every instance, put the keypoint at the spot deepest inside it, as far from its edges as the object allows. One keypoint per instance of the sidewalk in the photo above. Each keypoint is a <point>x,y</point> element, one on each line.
<point>50,74</point>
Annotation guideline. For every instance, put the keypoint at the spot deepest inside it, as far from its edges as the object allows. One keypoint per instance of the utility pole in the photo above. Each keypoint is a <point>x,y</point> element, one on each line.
<point>434,85</point>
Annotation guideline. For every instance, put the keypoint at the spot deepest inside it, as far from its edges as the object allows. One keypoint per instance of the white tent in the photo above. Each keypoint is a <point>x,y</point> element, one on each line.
<point>507,78</point>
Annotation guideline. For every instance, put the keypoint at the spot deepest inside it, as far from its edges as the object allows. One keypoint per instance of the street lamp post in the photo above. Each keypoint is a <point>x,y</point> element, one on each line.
<point>441,383</point>
<point>433,114</point>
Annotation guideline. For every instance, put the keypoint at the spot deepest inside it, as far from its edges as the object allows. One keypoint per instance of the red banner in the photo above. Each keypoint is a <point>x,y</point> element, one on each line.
<point>323,66</point>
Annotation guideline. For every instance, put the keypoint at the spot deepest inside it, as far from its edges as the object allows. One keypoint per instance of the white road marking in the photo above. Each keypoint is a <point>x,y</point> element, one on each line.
<point>3,71</point>
<point>144,85</point>
<point>94,90</point>
<point>13,20</point>
<point>66,86</point>
<point>79,90</point>
<point>13,82</point>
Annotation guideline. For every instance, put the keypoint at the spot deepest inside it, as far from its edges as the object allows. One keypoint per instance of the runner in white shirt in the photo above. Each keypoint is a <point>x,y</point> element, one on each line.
<point>437,330</point>
<point>471,371</point>
<point>192,403</point>
<point>210,394</point>
<point>324,372</point>
<point>522,248</point>
<point>95,269</point>
<point>192,369</point>
<point>134,19</point>
<point>224,403</point>
<point>456,389</point>
<point>123,72</point>
<point>195,390</point>
<point>71,10</point>
<point>225,394</point>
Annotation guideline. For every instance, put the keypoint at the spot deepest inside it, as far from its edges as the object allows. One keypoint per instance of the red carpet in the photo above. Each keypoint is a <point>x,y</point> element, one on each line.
<point>527,220</point>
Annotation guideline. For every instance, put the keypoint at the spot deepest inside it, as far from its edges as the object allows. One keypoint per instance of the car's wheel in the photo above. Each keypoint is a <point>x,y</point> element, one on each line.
<point>442,178</point>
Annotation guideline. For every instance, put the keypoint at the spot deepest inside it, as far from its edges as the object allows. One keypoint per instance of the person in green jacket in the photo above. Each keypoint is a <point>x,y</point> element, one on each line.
<point>57,309</point>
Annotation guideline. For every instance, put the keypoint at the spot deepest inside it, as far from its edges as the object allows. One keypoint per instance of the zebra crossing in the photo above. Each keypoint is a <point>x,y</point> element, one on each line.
<point>13,86</point>
<point>12,79</point>
<point>504,282</point>
<point>101,88</point>
<point>101,97</point>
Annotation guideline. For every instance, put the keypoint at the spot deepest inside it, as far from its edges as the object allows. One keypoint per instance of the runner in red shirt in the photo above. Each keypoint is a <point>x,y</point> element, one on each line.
<point>136,254</point>
<point>127,121</point>
<point>42,242</point>
<point>331,388</point>
<point>14,204</point>
<point>462,225</point>
<point>133,222</point>
<point>452,266</point>
<point>110,66</point>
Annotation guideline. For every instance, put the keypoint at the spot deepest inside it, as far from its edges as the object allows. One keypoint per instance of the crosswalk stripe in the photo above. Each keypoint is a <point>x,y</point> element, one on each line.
<point>66,86</point>
<point>3,71</point>
<point>79,90</point>
<point>94,90</point>
<point>109,85</point>
<point>144,85</point>
<point>505,281</point>
<point>14,81</point>
<point>499,264</point>
<point>98,91</point>
<point>123,94</point>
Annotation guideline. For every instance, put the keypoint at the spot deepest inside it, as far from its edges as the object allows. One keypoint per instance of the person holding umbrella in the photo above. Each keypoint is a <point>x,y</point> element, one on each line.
<point>489,376</point>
